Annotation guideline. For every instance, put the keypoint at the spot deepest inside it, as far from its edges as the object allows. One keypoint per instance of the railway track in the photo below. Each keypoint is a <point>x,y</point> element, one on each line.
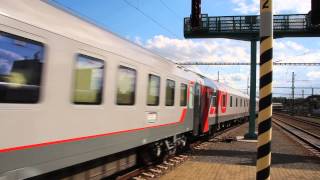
<point>313,127</point>
<point>309,139</point>
<point>157,170</point>
<point>299,119</point>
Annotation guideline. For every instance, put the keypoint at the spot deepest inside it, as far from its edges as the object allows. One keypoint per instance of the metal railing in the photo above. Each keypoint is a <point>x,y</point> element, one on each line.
<point>293,24</point>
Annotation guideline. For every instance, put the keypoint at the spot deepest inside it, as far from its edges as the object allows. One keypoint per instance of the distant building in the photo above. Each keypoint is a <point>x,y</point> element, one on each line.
<point>277,106</point>
<point>313,102</point>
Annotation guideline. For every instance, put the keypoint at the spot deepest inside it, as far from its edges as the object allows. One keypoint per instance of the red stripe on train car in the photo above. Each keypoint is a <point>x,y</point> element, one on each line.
<point>206,125</point>
<point>212,110</point>
<point>181,120</point>
<point>183,115</point>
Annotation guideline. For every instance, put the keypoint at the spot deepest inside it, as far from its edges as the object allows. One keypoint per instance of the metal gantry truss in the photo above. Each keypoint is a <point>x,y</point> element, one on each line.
<point>247,27</point>
<point>244,63</point>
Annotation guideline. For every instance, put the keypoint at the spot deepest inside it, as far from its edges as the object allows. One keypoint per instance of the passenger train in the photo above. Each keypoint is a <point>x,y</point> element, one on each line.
<point>73,94</point>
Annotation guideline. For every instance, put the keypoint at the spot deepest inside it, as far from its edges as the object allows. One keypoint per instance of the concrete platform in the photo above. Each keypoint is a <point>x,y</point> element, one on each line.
<point>236,160</point>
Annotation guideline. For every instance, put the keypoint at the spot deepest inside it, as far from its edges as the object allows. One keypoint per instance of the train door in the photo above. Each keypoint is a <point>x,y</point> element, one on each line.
<point>221,105</point>
<point>218,107</point>
<point>205,107</point>
<point>196,109</point>
<point>213,107</point>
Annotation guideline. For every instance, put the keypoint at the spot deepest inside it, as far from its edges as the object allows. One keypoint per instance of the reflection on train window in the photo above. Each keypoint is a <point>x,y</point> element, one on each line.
<point>126,86</point>
<point>21,62</point>
<point>88,85</point>
<point>153,90</point>
<point>230,101</point>
<point>170,92</point>
<point>224,99</point>
<point>183,95</point>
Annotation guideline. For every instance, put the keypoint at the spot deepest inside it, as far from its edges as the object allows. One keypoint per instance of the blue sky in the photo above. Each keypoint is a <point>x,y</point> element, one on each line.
<point>158,26</point>
<point>121,18</point>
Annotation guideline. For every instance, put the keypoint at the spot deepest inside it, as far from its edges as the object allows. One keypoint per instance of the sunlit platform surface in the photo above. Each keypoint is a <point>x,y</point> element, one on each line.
<point>218,171</point>
<point>236,160</point>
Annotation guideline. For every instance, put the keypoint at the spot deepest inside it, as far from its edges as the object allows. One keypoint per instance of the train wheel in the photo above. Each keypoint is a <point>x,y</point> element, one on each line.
<point>150,154</point>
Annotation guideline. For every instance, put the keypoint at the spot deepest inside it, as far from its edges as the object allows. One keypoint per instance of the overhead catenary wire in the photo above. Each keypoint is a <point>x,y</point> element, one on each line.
<point>170,9</point>
<point>151,18</point>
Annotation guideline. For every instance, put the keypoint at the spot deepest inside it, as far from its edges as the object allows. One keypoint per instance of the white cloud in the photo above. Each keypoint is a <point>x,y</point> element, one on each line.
<point>138,40</point>
<point>292,6</point>
<point>10,55</point>
<point>298,57</point>
<point>203,50</point>
<point>290,51</point>
<point>236,80</point>
<point>289,45</point>
<point>280,6</point>
<point>314,75</point>
<point>222,50</point>
<point>246,6</point>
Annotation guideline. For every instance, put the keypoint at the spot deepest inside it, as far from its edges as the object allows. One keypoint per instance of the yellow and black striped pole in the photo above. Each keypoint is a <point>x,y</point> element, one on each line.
<point>265,102</point>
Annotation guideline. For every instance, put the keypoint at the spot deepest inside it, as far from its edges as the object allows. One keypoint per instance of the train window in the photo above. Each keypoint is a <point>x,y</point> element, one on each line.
<point>224,99</point>
<point>153,90</point>
<point>170,92</point>
<point>183,95</point>
<point>236,102</point>
<point>230,101</point>
<point>21,62</point>
<point>213,100</point>
<point>88,81</point>
<point>126,86</point>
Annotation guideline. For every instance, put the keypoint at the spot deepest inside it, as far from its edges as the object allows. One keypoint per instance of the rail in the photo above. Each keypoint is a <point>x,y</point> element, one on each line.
<point>300,120</point>
<point>312,140</point>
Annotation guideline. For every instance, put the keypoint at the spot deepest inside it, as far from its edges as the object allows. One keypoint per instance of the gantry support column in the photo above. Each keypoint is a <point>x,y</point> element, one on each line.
<point>253,79</point>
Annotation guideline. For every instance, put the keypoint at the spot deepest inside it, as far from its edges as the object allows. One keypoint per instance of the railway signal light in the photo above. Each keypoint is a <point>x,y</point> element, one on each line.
<point>196,13</point>
<point>315,12</point>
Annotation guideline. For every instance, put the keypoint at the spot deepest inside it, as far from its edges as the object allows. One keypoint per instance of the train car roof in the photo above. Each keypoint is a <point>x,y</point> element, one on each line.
<point>56,19</point>
<point>223,87</point>
<point>51,17</point>
<point>232,90</point>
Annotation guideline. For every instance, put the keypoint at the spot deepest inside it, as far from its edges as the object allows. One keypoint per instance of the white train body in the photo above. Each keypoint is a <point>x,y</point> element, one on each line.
<point>75,115</point>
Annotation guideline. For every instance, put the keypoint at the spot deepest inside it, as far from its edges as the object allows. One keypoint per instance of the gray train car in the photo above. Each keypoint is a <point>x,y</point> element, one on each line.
<point>72,92</point>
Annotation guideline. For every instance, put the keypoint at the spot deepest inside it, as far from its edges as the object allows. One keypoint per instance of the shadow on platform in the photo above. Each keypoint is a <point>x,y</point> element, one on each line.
<point>249,158</point>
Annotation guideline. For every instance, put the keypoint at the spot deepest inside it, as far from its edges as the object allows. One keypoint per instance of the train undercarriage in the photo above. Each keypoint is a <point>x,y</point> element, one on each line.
<point>117,164</point>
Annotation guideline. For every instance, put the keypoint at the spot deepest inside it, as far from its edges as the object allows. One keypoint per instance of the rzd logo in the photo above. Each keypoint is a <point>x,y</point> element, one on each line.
<point>265,5</point>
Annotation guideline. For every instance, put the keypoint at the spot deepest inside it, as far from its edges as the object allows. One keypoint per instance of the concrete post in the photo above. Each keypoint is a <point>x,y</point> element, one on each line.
<point>265,94</point>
